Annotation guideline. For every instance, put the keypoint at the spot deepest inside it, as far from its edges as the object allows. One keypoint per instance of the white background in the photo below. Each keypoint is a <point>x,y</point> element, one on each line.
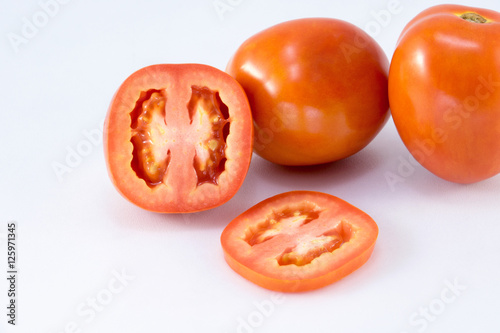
<point>77,234</point>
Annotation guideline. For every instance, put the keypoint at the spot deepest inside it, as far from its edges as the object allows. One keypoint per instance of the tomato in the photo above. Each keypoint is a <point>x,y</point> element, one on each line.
<point>444,91</point>
<point>317,88</point>
<point>178,138</point>
<point>298,241</point>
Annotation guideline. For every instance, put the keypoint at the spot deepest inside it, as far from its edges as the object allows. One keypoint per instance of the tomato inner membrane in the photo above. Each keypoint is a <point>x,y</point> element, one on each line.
<point>153,139</point>
<point>287,220</point>
<point>209,115</point>
<point>311,247</point>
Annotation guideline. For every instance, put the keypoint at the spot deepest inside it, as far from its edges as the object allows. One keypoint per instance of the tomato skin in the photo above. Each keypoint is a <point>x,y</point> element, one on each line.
<point>259,262</point>
<point>444,92</point>
<point>163,123</point>
<point>317,88</point>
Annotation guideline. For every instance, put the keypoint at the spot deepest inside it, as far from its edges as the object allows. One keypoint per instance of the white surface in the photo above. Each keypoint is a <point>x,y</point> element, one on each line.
<point>75,235</point>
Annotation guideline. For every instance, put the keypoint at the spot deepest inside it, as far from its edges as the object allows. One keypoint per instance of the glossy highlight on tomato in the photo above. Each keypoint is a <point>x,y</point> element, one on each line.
<point>444,91</point>
<point>298,241</point>
<point>178,138</point>
<point>317,88</point>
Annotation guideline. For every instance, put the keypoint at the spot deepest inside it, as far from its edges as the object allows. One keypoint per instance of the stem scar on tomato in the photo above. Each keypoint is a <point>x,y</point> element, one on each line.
<point>473,17</point>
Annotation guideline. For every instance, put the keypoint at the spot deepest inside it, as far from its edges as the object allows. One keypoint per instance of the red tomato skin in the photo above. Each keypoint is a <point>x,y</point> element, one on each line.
<point>178,196</point>
<point>299,285</point>
<point>317,88</point>
<point>262,270</point>
<point>444,92</point>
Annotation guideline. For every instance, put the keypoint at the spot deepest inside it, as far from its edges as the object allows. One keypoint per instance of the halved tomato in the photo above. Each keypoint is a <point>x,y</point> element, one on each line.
<point>298,241</point>
<point>178,138</point>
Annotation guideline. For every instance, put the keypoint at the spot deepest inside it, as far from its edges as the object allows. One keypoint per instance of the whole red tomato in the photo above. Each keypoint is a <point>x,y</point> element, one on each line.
<point>444,91</point>
<point>317,88</point>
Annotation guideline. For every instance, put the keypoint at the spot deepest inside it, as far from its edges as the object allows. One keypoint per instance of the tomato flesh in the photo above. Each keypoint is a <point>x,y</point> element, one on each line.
<point>168,142</point>
<point>298,241</point>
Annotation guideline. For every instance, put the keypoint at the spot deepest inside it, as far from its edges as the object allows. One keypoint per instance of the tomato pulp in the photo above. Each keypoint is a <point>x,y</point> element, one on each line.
<point>444,91</point>
<point>317,88</point>
<point>178,138</point>
<point>298,241</point>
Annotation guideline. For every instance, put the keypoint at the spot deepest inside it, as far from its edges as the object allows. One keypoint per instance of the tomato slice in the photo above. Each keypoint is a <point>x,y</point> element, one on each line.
<point>178,138</point>
<point>298,241</point>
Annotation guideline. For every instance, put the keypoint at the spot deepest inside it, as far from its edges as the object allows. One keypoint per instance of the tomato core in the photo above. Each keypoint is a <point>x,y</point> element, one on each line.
<point>154,140</point>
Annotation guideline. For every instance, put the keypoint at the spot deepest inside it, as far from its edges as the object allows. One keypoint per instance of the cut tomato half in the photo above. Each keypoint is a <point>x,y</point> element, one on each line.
<point>178,138</point>
<point>298,241</point>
